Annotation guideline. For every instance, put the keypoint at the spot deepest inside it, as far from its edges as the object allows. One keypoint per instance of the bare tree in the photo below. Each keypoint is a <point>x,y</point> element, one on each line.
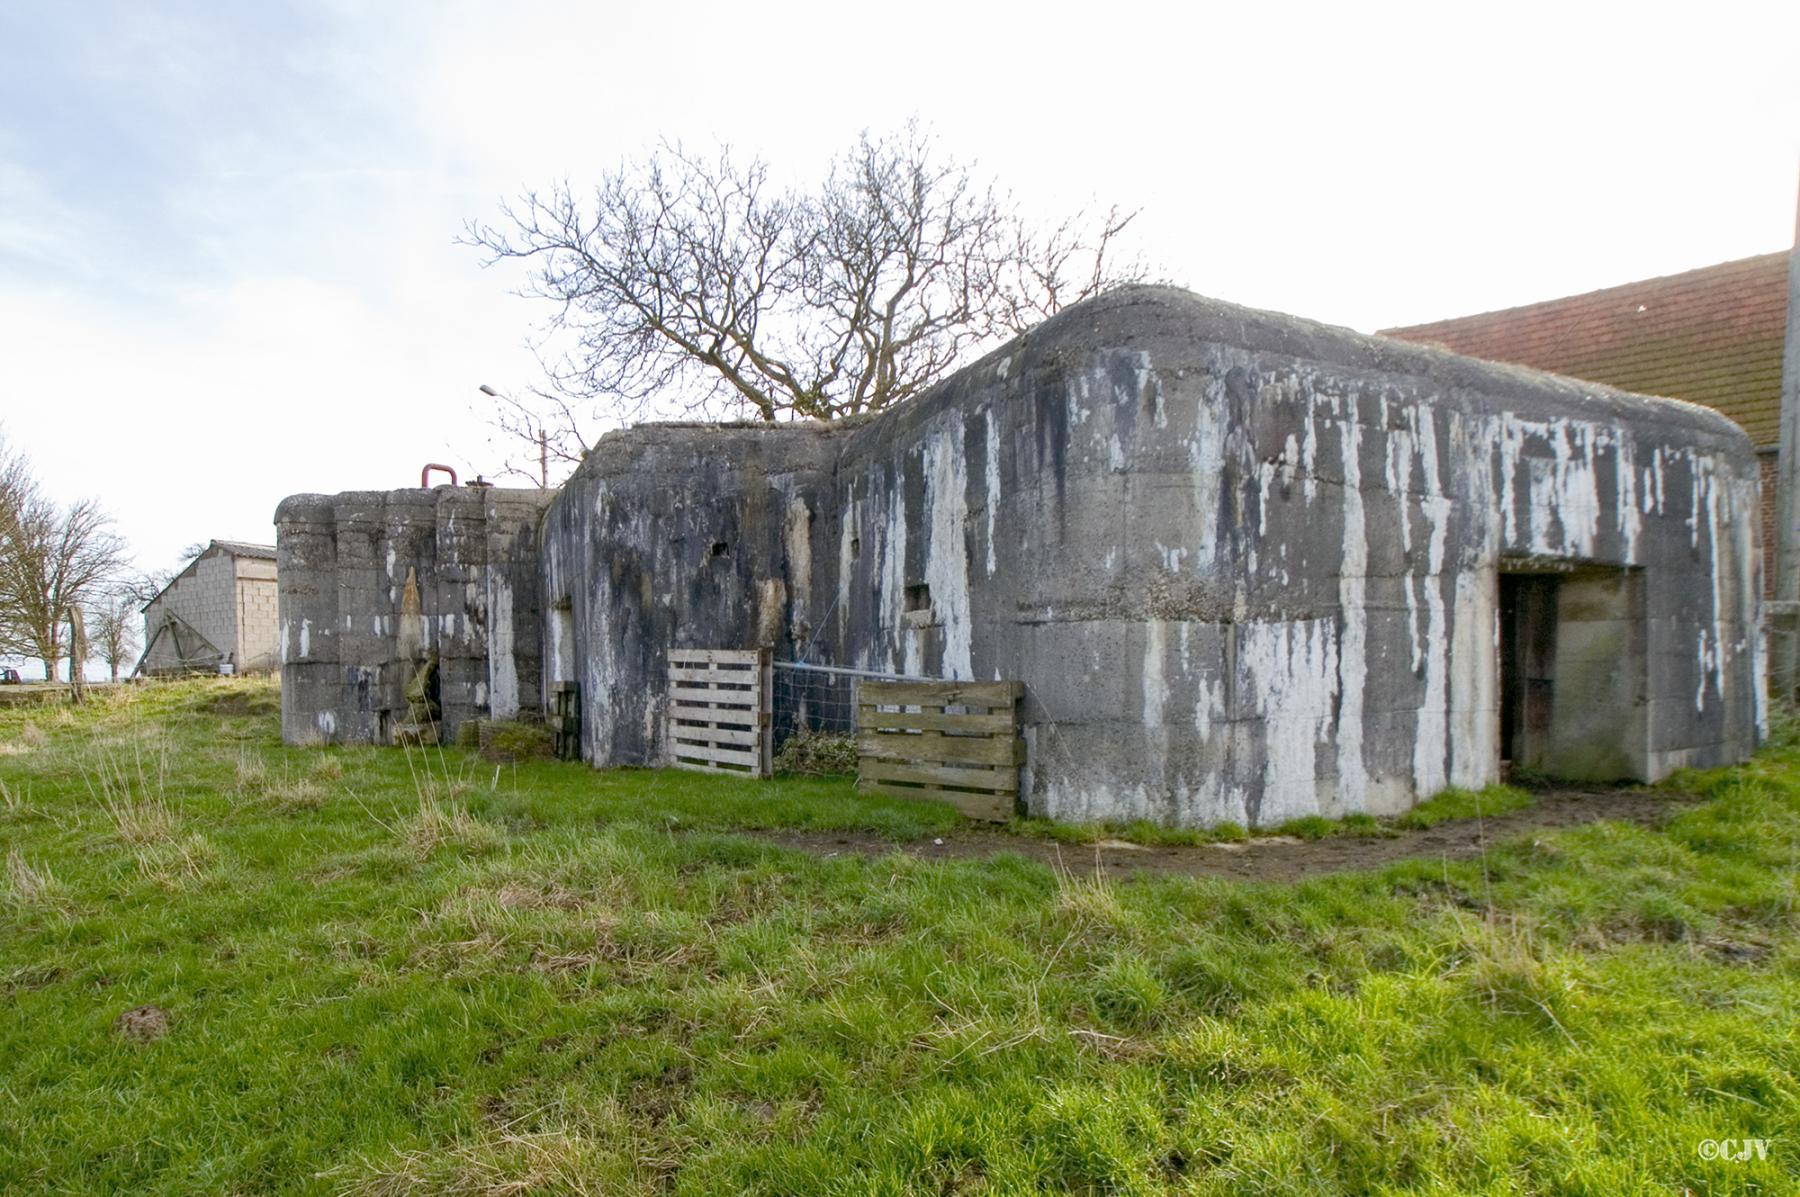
<point>113,623</point>
<point>51,558</point>
<point>697,286</point>
<point>16,489</point>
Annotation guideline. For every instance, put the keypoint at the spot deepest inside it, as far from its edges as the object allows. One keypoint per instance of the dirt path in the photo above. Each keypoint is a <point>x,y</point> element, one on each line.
<point>1270,858</point>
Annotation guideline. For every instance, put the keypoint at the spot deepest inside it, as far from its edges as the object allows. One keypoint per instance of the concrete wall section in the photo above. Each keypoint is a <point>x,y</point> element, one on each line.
<point>1247,566</point>
<point>682,537</point>
<point>345,644</point>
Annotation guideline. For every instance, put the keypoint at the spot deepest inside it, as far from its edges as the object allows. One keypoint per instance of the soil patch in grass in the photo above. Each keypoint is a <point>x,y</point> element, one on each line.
<point>1274,857</point>
<point>144,1023</point>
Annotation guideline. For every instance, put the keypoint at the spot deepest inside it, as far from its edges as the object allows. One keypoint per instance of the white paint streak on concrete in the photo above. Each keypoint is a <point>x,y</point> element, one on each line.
<point>1577,499</point>
<point>1156,687</point>
<point>1431,747</point>
<point>1508,441</point>
<point>993,485</point>
<point>1353,776</point>
<point>847,538</point>
<point>503,664</point>
<point>1209,709</point>
<point>946,547</point>
<point>1705,480</point>
<point>305,638</point>
<point>1290,671</point>
<point>797,541</point>
<point>893,580</point>
<point>1206,462</point>
<point>1474,682</point>
<point>1631,520</point>
<point>1309,452</point>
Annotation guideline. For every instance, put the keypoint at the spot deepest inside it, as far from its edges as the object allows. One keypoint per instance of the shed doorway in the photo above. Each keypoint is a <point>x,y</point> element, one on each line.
<point>1572,673</point>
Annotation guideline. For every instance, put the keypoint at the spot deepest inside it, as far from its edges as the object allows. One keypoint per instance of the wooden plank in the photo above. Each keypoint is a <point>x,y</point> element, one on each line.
<point>746,736</point>
<point>995,808</point>
<point>704,674</point>
<point>1004,781</point>
<point>710,656</point>
<point>938,694</point>
<point>869,718</point>
<point>742,698</point>
<point>704,767</point>
<point>708,752</point>
<point>742,716</point>
<point>940,749</point>
<point>726,716</point>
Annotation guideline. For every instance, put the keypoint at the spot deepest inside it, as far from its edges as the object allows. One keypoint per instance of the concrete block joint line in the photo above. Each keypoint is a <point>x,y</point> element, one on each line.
<point>1248,568</point>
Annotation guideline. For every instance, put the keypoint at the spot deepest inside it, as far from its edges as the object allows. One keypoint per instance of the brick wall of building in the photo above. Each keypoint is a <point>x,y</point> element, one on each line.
<point>257,650</point>
<point>205,599</point>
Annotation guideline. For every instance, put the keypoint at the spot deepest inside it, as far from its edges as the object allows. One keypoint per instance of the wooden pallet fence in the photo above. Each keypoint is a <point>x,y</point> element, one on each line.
<point>957,742</point>
<point>565,719</point>
<point>719,710</point>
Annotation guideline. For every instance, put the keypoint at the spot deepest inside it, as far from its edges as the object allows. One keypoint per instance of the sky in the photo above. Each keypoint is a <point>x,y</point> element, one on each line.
<point>229,266</point>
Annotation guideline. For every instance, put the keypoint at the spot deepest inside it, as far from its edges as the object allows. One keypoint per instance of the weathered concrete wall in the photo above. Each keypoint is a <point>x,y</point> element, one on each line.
<point>344,562</point>
<point>1246,565</point>
<point>682,537</point>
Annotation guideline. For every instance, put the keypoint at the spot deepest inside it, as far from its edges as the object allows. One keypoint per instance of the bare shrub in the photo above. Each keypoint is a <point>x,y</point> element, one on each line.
<point>507,1163</point>
<point>131,792</point>
<point>30,886</point>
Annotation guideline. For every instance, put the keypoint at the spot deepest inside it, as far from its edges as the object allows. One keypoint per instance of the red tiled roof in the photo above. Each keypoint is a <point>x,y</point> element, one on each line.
<point>1711,336</point>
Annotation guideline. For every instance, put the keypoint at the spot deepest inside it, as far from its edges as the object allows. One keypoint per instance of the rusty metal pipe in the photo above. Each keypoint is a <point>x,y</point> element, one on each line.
<point>425,474</point>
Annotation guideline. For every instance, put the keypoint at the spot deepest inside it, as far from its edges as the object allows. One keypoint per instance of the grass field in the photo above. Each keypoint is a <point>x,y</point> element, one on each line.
<point>227,966</point>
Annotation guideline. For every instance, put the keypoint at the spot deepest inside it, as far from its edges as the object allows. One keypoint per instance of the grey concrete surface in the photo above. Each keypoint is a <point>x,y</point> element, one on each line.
<point>1246,566</point>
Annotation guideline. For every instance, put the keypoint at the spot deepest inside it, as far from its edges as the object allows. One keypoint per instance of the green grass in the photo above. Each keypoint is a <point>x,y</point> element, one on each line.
<point>390,974</point>
<point>1442,808</point>
<point>1464,804</point>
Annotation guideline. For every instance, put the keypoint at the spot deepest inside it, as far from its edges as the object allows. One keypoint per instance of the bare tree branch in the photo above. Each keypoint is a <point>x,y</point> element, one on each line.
<point>51,558</point>
<point>691,285</point>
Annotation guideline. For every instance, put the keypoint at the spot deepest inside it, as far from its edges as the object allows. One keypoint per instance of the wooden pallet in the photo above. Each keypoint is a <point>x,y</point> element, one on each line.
<point>565,719</point>
<point>956,742</point>
<point>718,717</point>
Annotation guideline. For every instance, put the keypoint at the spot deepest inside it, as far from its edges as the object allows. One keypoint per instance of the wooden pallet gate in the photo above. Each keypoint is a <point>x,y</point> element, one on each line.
<point>957,742</point>
<point>719,710</point>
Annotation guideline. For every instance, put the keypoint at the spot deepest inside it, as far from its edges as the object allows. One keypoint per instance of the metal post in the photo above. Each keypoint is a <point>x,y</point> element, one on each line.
<point>1784,644</point>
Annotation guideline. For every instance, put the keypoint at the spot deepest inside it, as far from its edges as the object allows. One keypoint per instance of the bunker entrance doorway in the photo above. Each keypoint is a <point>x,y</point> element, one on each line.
<point>1572,674</point>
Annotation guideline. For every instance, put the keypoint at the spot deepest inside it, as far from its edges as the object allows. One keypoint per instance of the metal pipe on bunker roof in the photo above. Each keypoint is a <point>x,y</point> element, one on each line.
<point>425,474</point>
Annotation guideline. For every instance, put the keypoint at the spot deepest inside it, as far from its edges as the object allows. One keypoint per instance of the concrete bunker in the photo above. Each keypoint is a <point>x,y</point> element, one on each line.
<point>1246,566</point>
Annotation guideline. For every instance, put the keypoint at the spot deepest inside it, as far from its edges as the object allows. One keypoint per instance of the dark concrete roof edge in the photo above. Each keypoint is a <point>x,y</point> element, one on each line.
<point>313,505</point>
